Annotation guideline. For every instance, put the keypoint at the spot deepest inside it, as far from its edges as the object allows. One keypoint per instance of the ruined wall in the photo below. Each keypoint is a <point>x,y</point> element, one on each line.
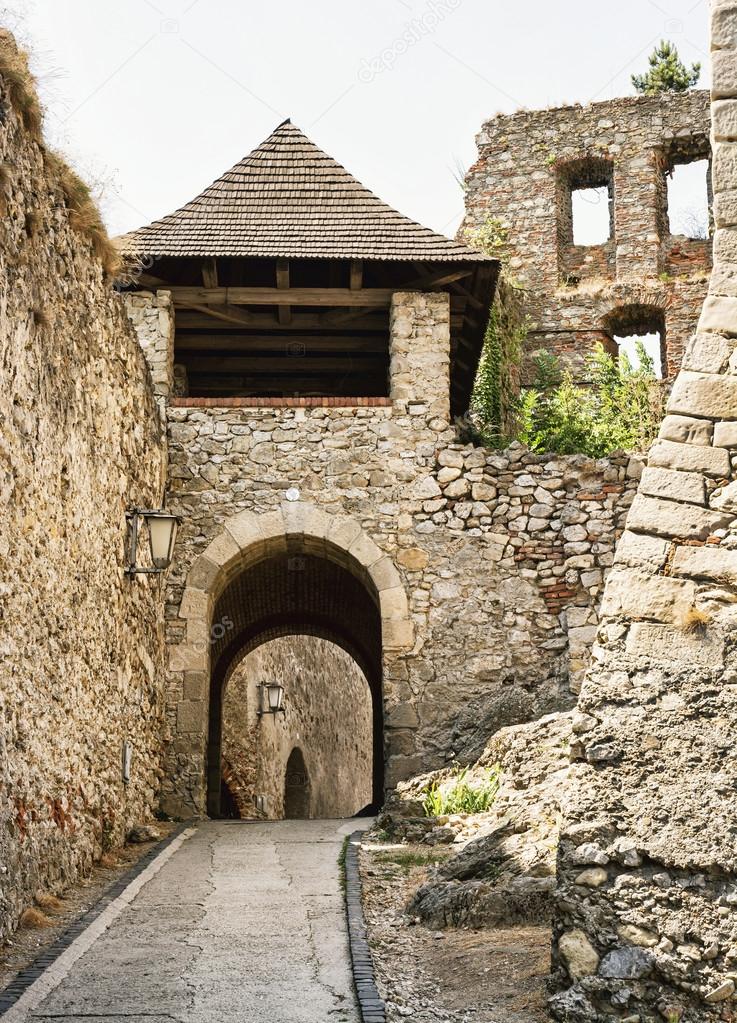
<point>643,279</point>
<point>327,715</point>
<point>81,646</point>
<point>501,554</point>
<point>646,925</point>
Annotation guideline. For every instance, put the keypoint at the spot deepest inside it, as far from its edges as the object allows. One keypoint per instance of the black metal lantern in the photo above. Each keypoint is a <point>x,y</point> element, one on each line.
<point>162,535</point>
<point>271,699</point>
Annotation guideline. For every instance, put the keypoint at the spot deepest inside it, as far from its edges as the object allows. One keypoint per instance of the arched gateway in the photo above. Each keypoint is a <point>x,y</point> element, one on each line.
<point>297,570</point>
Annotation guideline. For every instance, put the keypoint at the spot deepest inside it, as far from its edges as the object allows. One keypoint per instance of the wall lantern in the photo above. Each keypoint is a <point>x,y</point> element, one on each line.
<point>162,534</point>
<point>271,699</point>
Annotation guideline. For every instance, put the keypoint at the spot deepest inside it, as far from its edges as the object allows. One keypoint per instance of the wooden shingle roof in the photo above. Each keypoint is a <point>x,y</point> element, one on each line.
<point>290,199</point>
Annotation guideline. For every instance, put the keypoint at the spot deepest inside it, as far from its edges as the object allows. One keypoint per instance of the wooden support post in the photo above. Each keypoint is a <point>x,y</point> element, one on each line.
<point>210,273</point>
<point>282,282</point>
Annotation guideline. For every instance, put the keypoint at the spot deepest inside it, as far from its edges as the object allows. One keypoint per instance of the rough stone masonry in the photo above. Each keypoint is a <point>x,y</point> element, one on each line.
<point>81,645</point>
<point>646,923</point>
<point>643,278</point>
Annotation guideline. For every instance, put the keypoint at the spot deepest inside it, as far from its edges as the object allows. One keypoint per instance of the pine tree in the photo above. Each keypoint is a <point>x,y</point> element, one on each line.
<point>667,72</point>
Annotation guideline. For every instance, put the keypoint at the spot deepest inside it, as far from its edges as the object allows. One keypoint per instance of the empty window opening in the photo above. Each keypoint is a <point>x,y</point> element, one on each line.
<point>652,345</point>
<point>591,216</point>
<point>586,202</point>
<point>688,199</point>
<point>635,326</point>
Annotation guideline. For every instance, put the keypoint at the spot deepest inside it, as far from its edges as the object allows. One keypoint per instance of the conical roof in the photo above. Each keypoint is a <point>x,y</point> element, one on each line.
<point>290,199</point>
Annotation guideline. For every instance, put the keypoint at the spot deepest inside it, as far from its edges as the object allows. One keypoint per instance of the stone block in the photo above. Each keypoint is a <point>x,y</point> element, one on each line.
<point>400,768</point>
<point>365,551</point>
<point>713,563</point>
<point>222,550</point>
<point>725,244</point>
<point>723,280</point>
<point>725,499</point>
<point>666,518</point>
<point>397,634</point>
<point>724,120</point>
<point>674,485</point>
<point>725,435</point>
<point>686,430</point>
<point>195,603</point>
<point>579,955</point>
<point>393,603</point>
<point>343,531</point>
<point>384,574</point>
<point>192,716</point>
<point>632,593</point>
<point>708,353</point>
<point>245,529</point>
<point>187,658</point>
<point>719,313</point>
<point>196,685</point>
<point>674,646</point>
<point>637,549</point>
<point>724,27</point>
<point>724,166</point>
<point>203,574</point>
<point>404,715</point>
<point>666,454</point>
<point>723,74</point>
<point>273,529</point>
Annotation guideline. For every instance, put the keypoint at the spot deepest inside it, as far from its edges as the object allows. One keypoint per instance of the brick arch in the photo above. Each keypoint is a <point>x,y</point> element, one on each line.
<point>246,540</point>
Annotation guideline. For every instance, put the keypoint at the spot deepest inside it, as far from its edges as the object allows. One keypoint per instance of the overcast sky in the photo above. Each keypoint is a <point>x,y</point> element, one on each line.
<point>156,98</point>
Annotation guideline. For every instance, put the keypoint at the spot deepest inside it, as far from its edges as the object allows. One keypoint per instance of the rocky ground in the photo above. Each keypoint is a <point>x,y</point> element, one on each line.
<point>56,915</point>
<point>460,975</point>
<point>458,905</point>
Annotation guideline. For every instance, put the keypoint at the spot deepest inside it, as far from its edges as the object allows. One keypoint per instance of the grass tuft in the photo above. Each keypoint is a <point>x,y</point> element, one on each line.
<point>45,900</point>
<point>696,621</point>
<point>32,918</point>
<point>20,86</point>
<point>458,795</point>
<point>84,216</point>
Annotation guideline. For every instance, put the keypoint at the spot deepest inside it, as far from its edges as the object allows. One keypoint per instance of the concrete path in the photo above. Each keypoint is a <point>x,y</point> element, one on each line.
<point>244,922</point>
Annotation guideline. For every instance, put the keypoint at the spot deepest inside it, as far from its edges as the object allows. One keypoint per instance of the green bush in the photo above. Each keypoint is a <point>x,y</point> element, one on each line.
<point>618,410</point>
<point>462,796</point>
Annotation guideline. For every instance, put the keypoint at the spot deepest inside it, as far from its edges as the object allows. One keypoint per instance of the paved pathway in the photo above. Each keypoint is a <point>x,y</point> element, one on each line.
<point>244,922</point>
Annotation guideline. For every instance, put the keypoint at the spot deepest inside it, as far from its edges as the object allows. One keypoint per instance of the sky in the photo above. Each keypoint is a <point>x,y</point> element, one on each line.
<point>152,99</point>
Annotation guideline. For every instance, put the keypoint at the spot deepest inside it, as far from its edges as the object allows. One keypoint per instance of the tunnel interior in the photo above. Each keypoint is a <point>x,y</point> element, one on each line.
<point>296,593</point>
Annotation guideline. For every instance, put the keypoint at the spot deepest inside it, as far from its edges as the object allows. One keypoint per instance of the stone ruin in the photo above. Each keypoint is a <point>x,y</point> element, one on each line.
<point>642,279</point>
<point>296,408</point>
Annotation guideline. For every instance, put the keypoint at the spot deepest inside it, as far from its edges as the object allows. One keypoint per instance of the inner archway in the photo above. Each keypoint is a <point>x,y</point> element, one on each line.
<point>299,595</point>
<point>296,788</point>
<point>327,717</point>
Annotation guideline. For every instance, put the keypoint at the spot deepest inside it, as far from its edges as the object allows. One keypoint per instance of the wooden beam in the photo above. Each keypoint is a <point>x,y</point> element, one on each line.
<point>189,319</point>
<point>244,343</point>
<point>210,273</point>
<point>226,314</point>
<point>284,312</point>
<point>305,366</point>
<point>356,274</point>
<point>208,384</point>
<point>366,297</point>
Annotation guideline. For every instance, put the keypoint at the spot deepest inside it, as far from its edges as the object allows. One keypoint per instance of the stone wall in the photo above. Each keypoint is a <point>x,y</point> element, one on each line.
<point>81,646</point>
<point>646,926</point>
<point>327,715</point>
<point>643,279</point>
<point>502,555</point>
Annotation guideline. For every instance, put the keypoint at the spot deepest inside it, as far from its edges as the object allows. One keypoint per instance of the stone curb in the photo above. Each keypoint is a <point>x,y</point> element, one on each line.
<point>10,995</point>
<point>370,1002</point>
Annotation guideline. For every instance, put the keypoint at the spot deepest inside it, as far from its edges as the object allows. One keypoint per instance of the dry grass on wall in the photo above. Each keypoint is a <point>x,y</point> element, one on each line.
<point>19,88</point>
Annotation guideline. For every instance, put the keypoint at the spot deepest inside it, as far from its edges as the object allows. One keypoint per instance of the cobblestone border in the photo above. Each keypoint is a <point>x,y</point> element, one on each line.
<point>370,1002</point>
<point>20,984</point>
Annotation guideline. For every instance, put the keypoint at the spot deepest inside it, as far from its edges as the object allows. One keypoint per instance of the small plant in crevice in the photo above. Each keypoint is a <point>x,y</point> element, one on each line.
<point>696,621</point>
<point>49,902</point>
<point>458,794</point>
<point>19,85</point>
